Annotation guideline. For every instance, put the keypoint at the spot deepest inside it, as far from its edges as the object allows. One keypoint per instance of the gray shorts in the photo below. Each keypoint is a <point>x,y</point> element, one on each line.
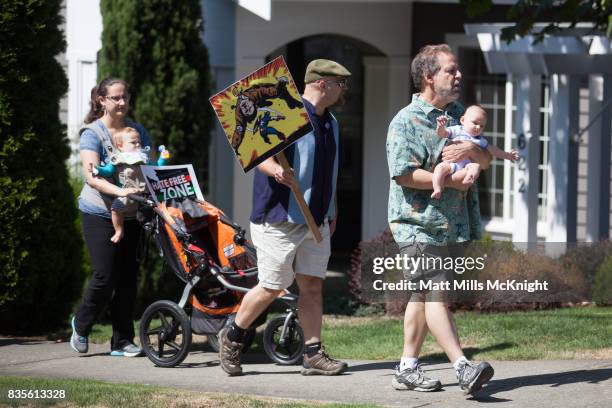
<point>284,249</point>
<point>434,282</point>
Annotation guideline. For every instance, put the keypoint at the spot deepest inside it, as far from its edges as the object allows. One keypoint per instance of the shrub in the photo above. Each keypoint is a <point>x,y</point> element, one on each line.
<point>157,47</point>
<point>40,247</point>
<point>569,278</point>
<point>156,281</point>
<point>587,257</point>
<point>565,282</point>
<point>602,288</point>
<point>358,284</point>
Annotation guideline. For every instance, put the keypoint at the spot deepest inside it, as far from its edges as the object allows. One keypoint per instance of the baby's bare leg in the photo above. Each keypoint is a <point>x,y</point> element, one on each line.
<point>117,218</point>
<point>440,172</point>
<point>472,173</point>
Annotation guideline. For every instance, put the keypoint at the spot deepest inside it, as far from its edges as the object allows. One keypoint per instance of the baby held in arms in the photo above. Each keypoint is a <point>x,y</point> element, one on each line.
<point>472,125</point>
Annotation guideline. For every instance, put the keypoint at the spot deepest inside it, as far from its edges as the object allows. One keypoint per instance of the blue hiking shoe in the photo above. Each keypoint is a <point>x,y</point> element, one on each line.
<point>80,344</point>
<point>131,350</point>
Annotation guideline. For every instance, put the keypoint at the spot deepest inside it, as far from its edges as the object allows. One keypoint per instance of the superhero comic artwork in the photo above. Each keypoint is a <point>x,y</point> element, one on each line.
<point>261,114</point>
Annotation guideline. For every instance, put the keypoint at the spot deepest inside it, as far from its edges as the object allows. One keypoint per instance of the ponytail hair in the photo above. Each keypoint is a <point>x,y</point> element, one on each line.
<point>96,110</point>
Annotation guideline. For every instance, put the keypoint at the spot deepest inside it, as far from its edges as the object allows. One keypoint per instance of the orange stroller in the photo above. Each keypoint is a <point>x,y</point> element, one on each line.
<point>211,255</point>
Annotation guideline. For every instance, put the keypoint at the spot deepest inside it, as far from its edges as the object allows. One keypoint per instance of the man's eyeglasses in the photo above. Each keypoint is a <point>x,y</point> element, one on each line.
<point>118,98</point>
<point>342,83</point>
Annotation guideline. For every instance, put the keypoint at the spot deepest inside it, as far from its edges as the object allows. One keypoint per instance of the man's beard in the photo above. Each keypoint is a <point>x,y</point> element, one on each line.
<point>339,102</point>
<point>451,94</point>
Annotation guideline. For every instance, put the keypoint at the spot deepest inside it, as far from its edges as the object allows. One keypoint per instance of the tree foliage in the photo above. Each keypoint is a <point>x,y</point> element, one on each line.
<point>40,248</point>
<point>157,47</point>
<point>556,15</point>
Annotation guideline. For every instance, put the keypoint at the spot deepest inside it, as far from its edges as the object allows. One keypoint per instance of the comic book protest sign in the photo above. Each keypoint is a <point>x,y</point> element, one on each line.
<point>261,115</point>
<point>168,182</point>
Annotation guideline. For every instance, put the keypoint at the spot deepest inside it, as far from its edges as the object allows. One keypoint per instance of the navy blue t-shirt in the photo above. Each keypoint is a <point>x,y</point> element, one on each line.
<point>314,159</point>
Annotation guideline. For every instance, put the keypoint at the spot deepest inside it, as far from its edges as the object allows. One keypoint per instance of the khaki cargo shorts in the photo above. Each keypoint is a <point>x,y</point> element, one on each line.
<point>285,249</point>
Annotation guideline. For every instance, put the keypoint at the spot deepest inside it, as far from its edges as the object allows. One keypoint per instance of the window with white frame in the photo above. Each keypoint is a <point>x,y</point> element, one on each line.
<point>544,142</point>
<point>491,91</point>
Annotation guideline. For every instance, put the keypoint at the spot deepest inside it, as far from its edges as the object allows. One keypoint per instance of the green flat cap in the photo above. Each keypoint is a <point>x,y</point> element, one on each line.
<point>322,68</point>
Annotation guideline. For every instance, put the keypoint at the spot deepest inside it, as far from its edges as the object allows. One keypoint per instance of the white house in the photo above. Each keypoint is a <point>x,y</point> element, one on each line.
<point>560,192</point>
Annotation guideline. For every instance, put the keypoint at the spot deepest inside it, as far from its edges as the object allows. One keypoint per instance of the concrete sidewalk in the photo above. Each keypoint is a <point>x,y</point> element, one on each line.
<point>566,383</point>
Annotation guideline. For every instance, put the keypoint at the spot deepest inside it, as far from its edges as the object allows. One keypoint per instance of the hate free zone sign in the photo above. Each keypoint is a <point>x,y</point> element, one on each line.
<point>171,182</point>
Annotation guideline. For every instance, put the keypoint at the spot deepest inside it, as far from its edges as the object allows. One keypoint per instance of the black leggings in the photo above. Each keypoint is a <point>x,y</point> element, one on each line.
<point>113,279</point>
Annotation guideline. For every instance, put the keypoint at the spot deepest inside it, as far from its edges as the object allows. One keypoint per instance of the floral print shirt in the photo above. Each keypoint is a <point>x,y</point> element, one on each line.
<point>412,143</point>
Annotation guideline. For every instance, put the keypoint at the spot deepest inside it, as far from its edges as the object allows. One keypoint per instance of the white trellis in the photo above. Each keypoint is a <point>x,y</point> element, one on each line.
<point>566,58</point>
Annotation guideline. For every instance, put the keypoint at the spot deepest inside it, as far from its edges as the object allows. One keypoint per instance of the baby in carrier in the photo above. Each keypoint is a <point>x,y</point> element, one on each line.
<point>125,167</point>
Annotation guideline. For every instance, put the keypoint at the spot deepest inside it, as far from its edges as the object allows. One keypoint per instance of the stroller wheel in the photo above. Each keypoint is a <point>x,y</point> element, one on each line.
<point>165,333</point>
<point>285,350</point>
<point>249,336</point>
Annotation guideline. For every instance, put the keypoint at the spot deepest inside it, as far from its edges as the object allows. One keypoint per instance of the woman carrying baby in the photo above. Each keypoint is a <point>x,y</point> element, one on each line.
<point>114,257</point>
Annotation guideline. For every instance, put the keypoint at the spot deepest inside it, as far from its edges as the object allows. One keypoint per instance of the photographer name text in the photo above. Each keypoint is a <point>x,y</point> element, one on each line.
<point>466,285</point>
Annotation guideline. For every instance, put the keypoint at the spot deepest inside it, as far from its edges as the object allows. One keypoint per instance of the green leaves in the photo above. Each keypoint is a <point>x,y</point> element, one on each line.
<point>555,14</point>
<point>156,46</point>
<point>476,8</point>
<point>40,247</point>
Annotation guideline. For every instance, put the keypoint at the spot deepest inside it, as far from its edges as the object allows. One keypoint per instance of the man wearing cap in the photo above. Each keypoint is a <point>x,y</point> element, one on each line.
<point>286,249</point>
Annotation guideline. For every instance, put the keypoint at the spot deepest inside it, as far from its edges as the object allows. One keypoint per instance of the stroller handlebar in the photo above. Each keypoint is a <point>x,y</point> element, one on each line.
<point>217,274</point>
<point>141,199</point>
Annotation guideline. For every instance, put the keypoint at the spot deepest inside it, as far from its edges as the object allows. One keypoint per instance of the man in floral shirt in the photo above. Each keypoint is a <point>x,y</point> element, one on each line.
<point>428,228</point>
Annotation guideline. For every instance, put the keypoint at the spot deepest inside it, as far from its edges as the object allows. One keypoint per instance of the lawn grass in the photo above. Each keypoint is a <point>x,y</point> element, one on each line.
<point>582,332</point>
<point>80,393</point>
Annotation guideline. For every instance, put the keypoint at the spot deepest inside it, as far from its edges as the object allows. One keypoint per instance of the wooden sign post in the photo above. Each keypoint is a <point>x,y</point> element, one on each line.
<point>299,197</point>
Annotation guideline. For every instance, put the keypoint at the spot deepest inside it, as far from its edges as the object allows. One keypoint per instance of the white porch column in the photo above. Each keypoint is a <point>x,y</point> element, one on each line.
<point>220,154</point>
<point>386,90</point>
<point>83,40</point>
<point>509,95</point>
<point>220,39</point>
<point>527,127</point>
<point>243,183</point>
<point>398,84</point>
<point>563,160</point>
<point>598,170</point>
